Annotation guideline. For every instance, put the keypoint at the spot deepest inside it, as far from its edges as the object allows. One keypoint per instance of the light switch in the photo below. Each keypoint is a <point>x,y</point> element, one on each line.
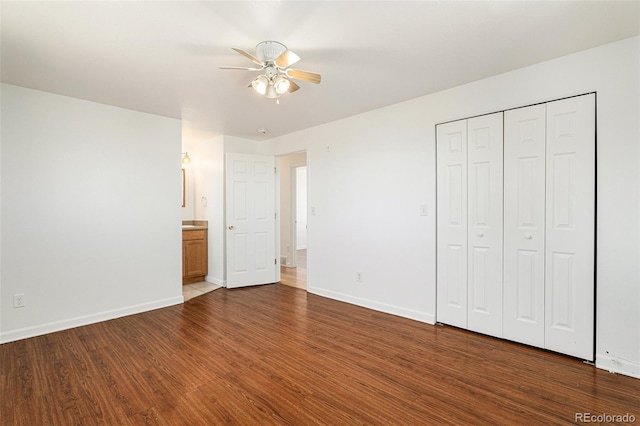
<point>423,210</point>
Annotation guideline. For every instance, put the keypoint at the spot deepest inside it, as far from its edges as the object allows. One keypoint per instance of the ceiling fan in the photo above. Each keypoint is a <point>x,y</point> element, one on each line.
<point>275,59</point>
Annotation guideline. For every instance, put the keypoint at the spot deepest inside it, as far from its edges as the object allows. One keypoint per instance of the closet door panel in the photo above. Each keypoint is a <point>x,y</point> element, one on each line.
<point>452,223</point>
<point>524,225</point>
<point>485,208</point>
<point>570,238</point>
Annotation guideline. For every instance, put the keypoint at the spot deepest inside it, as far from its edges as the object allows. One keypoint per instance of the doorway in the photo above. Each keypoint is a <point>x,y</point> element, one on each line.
<point>293,219</point>
<point>299,205</point>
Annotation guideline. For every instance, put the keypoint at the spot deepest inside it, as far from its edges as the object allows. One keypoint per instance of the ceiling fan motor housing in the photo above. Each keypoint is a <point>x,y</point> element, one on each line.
<point>270,72</point>
<point>268,51</point>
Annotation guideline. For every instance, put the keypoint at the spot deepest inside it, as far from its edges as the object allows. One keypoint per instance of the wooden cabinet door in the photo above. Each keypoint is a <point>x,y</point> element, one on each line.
<point>195,260</point>
<point>194,256</point>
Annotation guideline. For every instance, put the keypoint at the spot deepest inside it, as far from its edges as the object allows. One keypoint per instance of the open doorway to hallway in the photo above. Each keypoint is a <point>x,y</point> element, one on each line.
<point>295,277</point>
<point>293,219</point>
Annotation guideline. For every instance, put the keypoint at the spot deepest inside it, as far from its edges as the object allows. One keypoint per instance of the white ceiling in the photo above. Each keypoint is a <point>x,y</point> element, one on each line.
<point>163,57</point>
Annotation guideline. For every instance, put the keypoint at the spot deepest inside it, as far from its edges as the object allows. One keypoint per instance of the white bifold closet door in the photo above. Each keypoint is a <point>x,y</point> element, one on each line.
<point>469,249</point>
<point>570,227</point>
<point>484,236</point>
<point>452,223</point>
<point>549,240</point>
<point>516,225</point>
<point>524,224</point>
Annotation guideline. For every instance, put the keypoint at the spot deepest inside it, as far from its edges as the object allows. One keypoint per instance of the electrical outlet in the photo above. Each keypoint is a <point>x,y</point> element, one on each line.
<point>359,277</point>
<point>18,300</point>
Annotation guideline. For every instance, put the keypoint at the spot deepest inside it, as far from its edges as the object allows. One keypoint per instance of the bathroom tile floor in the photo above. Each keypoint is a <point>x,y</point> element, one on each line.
<point>189,291</point>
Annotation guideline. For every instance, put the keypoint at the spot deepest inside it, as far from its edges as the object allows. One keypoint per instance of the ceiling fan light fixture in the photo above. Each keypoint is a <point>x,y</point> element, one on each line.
<point>281,84</point>
<point>260,84</point>
<point>271,92</point>
<point>277,77</point>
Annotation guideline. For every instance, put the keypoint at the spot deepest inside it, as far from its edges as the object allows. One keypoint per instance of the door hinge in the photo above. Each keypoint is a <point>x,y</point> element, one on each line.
<point>275,261</point>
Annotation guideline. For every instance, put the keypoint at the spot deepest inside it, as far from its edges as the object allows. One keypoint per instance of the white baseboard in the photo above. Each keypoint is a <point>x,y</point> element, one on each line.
<point>52,327</point>
<point>215,281</point>
<point>614,364</point>
<point>376,306</point>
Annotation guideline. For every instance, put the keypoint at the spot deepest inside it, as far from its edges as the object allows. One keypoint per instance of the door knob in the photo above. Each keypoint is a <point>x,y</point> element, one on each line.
<point>528,236</point>
<point>231,227</point>
<point>480,234</point>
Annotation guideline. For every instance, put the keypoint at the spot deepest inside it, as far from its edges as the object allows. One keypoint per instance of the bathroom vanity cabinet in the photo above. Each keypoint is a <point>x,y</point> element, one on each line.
<point>194,255</point>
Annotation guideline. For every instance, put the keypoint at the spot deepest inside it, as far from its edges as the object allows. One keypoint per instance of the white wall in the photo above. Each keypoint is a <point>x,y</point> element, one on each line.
<point>207,167</point>
<point>368,175</point>
<point>236,145</point>
<point>1,197</point>
<point>90,212</point>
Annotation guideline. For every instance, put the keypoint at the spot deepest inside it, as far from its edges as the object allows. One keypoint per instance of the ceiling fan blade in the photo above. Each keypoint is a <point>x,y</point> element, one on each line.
<point>241,68</point>
<point>286,59</point>
<point>249,55</point>
<point>307,76</point>
<point>293,86</point>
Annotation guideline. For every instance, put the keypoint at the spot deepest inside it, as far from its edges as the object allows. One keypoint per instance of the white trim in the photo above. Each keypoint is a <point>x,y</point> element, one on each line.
<point>52,327</point>
<point>614,364</point>
<point>425,317</point>
<point>215,281</point>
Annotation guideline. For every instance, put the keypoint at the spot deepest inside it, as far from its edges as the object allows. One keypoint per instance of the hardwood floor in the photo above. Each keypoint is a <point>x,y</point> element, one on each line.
<point>277,355</point>
<point>296,277</point>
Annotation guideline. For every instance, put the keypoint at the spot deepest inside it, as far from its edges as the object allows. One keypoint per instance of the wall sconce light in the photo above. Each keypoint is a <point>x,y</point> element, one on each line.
<point>185,158</point>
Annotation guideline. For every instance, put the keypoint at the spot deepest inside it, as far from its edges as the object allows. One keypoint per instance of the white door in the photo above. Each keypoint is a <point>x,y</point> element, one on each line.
<point>452,223</point>
<point>524,225</point>
<point>484,154</point>
<point>570,239</point>
<point>250,220</point>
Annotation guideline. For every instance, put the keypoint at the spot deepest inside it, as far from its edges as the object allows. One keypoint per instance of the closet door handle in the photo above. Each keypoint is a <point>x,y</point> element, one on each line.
<point>231,227</point>
<point>480,234</point>
<point>528,236</point>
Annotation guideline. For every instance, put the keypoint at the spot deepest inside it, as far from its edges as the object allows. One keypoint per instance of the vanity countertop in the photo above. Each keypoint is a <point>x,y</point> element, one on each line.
<point>188,225</point>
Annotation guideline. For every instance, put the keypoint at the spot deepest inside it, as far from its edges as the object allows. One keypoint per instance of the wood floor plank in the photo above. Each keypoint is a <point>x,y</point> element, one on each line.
<point>277,355</point>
